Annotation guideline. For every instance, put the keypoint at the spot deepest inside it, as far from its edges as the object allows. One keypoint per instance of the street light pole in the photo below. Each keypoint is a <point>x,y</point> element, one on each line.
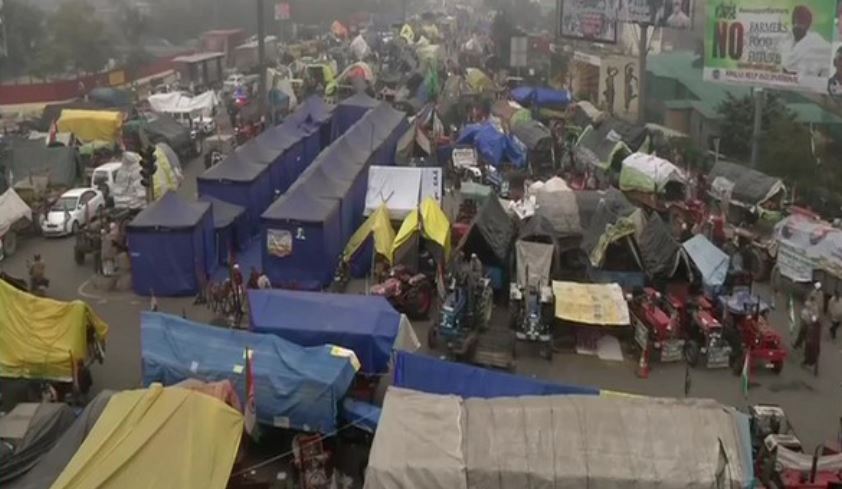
<point>642,51</point>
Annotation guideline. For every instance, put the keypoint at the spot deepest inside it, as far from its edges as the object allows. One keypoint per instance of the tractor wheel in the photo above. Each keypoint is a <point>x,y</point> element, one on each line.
<point>514,315</point>
<point>10,243</point>
<point>432,338</point>
<point>421,299</point>
<point>692,352</point>
<point>778,367</point>
<point>736,362</point>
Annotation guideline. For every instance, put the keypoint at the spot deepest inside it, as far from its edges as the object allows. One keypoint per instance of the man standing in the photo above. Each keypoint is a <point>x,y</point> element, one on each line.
<point>808,52</point>
<point>812,348</point>
<point>834,310</point>
<point>807,314</point>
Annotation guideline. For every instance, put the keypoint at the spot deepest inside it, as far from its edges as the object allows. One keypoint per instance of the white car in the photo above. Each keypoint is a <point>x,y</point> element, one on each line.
<point>74,209</point>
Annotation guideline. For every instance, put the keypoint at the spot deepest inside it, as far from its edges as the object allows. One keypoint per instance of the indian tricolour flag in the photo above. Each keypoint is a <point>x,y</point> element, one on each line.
<point>744,376</point>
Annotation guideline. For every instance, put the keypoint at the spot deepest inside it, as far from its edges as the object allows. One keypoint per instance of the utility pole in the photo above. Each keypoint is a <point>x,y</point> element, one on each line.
<point>642,51</point>
<point>759,101</point>
<point>261,59</point>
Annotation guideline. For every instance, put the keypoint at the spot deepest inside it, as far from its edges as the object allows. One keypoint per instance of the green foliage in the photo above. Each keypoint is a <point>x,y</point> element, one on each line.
<point>738,122</point>
<point>79,40</point>
<point>25,33</point>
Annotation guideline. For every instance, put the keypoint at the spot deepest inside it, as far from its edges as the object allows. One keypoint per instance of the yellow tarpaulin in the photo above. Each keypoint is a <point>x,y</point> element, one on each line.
<point>595,304</point>
<point>164,178</point>
<point>479,81</point>
<point>434,226</point>
<point>38,336</point>
<point>91,125</point>
<point>166,438</point>
<point>379,227</point>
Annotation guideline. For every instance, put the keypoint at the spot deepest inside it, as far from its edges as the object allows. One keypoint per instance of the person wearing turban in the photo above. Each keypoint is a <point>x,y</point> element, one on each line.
<point>807,54</point>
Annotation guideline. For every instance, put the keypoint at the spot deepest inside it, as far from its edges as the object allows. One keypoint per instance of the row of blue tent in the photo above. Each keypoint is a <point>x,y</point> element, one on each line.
<point>305,230</point>
<point>175,243</point>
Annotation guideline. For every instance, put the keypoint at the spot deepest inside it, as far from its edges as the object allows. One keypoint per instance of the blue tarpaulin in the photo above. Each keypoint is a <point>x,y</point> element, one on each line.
<point>171,246</point>
<point>710,260</point>
<point>493,147</point>
<point>295,387</point>
<point>350,111</point>
<point>316,112</point>
<point>541,97</point>
<point>230,227</point>
<point>363,415</point>
<point>428,374</point>
<point>368,325</point>
<point>239,182</point>
<point>305,233</point>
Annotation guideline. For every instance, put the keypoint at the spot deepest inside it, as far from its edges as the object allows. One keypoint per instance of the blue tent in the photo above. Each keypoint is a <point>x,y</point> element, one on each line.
<point>295,387</point>
<point>318,182</point>
<point>541,97</point>
<point>301,240</point>
<point>261,152</point>
<point>368,325</point>
<point>493,146</point>
<point>428,374</point>
<point>230,227</point>
<point>315,112</point>
<point>239,182</point>
<point>172,247</point>
<point>350,111</point>
<point>289,141</point>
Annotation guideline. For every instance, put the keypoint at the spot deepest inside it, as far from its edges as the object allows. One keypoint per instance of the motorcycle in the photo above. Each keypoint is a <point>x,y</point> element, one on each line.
<point>409,294</point>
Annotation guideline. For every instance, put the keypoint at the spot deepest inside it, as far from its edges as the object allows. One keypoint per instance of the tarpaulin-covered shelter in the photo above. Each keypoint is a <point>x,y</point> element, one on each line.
<point>662,255</point>
<point>172,247</point>
<point>295,387</point>
<point>510,113</point>
<point>479,81</point>
<point>302,238</point>
<point>557,441</point>
<point>602,148</point>
<point>613,223</point>
<point>493,147</point>
<point>428,222</point>
<point>541,97</point>
<point>240,182</point>
<point>28,158</point>
<point>366,324</point>
<point>534,135</point>
<point>183,103</point>
<point>314,111</point>
<point>111,97</point>
<point>338,185</point>
<point>41,336</point>
<point>428,374</point>
<point>594,304</point>
<point>558,205</point>
<point>349,111</point>
<point>230,228</point>
<point>401,189</point>
<point>711,262</point>
<point>534,263</point>
<point>27,433</point>
<point>421,139</point>
<point>91,125</point>
<point>286,143</point>
<point>641,172</point>
<point>743,186</point>
<point>157,437</point>
<point>490,235</point>
<point>375,234</point>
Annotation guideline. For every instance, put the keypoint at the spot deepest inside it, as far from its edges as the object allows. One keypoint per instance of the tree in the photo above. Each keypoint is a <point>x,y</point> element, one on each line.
<point>738,122</point>
<point>24,36</point>
<point>79,39</point>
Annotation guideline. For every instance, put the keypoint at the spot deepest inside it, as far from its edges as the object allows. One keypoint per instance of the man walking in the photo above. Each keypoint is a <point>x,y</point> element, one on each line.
<point>834,310</point>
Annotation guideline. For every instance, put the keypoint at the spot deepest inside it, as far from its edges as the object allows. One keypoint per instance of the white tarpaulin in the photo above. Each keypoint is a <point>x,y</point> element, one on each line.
<point>648,173</point>
<point>360,48</point>
<point>427,441</point>
<point>535,259</point>
<point>402,189</point>
<point>12,210</point>
<point>181,103</point>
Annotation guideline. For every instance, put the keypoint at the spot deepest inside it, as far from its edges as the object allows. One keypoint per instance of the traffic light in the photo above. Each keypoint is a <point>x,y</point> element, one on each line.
<point>148,166</point>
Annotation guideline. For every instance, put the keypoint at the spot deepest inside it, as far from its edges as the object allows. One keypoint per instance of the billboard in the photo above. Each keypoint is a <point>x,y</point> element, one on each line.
<point>782,44</point>
<point>594,20</point>
<point>676,14</point>
<point>618,86</point>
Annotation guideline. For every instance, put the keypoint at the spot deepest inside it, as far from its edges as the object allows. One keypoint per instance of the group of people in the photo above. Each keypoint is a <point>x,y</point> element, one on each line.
<point>810,328</point>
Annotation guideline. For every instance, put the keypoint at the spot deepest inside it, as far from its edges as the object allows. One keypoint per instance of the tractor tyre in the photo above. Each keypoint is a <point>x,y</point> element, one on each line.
<point>778,367</point>
<point>432,337</point>
<point>736,363</point>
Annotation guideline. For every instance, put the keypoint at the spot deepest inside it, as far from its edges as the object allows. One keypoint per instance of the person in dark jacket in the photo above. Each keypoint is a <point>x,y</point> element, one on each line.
<point>812,346</point>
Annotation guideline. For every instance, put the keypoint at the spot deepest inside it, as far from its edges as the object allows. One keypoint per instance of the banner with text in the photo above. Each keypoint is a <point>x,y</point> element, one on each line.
<point>597,20</point>
<point>783,44</point>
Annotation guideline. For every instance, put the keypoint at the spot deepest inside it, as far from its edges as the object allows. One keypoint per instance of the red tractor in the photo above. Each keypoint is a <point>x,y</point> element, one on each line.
<point>410,294</point>
<point>706,342</point>
<point>657,325</point>
<point>748,332</point>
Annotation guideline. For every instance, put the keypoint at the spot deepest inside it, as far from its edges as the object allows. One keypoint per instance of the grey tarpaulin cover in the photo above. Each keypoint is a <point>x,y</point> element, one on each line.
<point>31,158</point>
<point>426,441</point>
<point>51,465</point>
<point>491,234</point>
<point>534,135</point>
<point>731,181</point>
<point>47,423</point>
<point>598,211</point>
<point>560,209</point>
<point>660,251</point>
<point>536,259</point>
